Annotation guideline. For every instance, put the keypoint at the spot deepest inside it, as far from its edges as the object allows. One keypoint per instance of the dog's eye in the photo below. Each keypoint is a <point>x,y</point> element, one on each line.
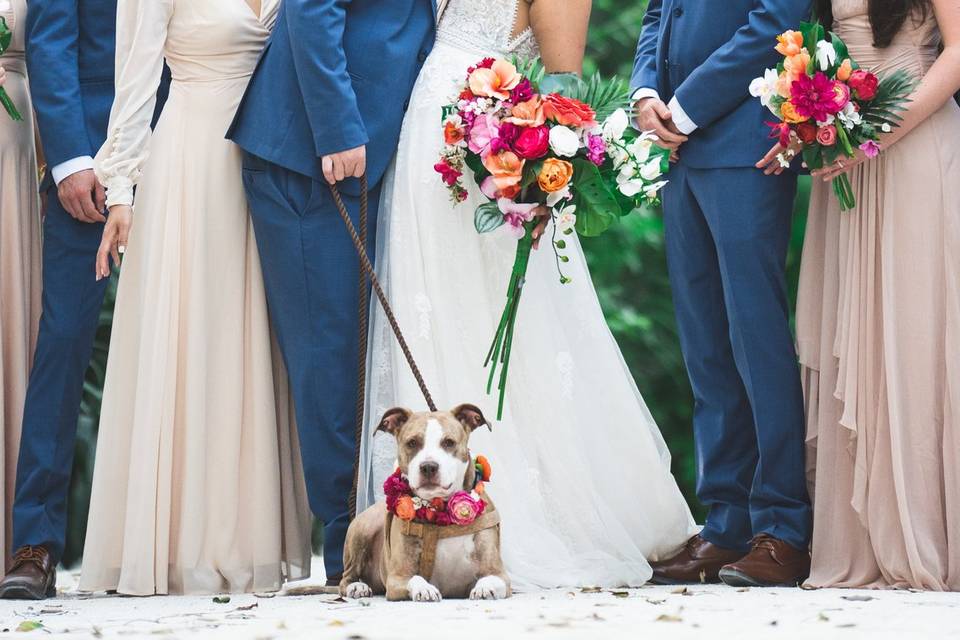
<point>412,444</point>
<point>448,443</point>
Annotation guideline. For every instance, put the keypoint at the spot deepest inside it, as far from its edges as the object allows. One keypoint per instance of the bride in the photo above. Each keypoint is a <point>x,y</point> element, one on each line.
<point>581,473</point>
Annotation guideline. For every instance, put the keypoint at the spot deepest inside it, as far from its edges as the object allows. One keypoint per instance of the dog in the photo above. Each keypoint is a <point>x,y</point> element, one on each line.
<point>386,554</point>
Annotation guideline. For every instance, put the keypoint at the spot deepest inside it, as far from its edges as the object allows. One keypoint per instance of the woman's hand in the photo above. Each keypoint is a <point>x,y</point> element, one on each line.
<point>840,166</point>
<point>115,235</point>
<point>771,164</point>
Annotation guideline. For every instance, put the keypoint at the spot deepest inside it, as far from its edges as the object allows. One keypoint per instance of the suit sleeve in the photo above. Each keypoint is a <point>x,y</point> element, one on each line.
<point>645,62</point>
<point>141,36</point>
<point>52,29</point>
<point>316,36</point>
<point>719,85</point>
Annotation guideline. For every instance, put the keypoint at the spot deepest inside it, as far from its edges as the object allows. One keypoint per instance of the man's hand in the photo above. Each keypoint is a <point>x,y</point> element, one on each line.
<point>82,195</point>
<point>346,164</point>
<point>653,115</point>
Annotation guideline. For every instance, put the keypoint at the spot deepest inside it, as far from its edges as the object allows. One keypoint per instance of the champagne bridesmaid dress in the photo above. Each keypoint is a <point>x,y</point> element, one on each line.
<point>198,486</point>
<point>19,258</point>
<point>879,335</point>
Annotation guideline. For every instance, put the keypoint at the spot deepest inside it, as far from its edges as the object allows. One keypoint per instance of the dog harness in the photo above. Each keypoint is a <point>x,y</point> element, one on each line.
<point>431,534</point>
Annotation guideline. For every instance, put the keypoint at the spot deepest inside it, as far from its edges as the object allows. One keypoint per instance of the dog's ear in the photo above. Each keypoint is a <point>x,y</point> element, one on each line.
<point>471,417</point>
<point>394,419</point>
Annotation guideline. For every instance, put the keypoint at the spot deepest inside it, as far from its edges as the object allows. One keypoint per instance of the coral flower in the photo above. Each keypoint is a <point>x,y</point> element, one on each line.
<point>790,43</point>
<point>569,112</point>
<point>505,167</point>
<point>555,175</point>
<point>405,508</point>
<point>497,81</point>
<point>528,114</point>
<point>453,132</point>
<point>796,66</point>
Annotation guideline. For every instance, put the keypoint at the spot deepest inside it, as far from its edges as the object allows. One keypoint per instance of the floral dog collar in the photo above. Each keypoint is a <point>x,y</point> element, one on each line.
<point>462,508</point>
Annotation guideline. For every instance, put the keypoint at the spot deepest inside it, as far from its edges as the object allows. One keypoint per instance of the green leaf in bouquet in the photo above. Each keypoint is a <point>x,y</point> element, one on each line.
<point>813,157</point>
<point>530,172</point>
<point>892,98</point>
<point>488,217</point>
<point>813,32</point>
<point>475,164</point>
<point>843,53</point>
<point>597,207</point>
<point>5,35</point>
<point>530,68</point>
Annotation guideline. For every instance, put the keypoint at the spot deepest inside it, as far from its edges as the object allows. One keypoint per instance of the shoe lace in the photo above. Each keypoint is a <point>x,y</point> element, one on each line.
<point>763,541</point>
<point>30,555</point>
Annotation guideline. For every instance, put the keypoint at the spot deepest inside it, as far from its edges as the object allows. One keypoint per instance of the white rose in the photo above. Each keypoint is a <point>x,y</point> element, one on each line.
<point>615,126</point>
<point>564,142</point>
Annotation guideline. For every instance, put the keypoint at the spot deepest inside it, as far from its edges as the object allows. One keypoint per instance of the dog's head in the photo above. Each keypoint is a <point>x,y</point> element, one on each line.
<point>433,449</point>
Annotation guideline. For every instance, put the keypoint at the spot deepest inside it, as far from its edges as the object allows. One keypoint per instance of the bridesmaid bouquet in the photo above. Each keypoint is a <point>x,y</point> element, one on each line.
<point>826,104</point>
<point>5,37</point>
<point>566,156</point>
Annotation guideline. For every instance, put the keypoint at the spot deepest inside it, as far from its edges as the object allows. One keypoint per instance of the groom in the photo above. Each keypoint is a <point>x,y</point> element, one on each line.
<point>727,229</point>
<point>325,106</point>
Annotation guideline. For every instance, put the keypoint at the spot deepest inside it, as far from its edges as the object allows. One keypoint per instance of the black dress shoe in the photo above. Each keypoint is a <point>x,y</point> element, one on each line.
<point>33,576</point>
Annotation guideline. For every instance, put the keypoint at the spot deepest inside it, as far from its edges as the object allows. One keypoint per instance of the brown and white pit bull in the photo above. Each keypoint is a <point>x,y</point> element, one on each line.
<point>420,561</point>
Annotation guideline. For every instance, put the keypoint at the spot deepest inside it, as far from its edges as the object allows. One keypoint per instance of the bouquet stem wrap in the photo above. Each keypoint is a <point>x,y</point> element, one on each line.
<point>499,354</point>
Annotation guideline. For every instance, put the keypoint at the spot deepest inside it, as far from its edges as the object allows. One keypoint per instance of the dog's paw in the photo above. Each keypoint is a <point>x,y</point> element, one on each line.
<point>489,588</point>
<point>422,591</point>
<point>357,590</point>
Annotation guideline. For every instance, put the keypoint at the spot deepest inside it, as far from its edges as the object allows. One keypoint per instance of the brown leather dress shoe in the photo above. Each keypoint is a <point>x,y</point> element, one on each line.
<point>33,576</point>
<point>698,562</point>
<point>770,563</point>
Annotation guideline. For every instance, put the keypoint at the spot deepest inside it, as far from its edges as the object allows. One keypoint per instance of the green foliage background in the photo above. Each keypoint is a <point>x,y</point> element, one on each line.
<point>629,270</point>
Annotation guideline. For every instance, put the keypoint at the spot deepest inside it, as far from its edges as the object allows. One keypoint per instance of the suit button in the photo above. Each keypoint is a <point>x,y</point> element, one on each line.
<point>422,57</point>
<point>678,12</point>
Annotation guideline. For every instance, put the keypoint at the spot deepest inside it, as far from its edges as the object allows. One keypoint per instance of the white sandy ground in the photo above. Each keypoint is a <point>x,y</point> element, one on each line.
<point>651,612</point>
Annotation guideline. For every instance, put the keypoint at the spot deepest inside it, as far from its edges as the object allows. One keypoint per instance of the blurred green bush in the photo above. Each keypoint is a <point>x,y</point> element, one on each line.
<point>629,270</point>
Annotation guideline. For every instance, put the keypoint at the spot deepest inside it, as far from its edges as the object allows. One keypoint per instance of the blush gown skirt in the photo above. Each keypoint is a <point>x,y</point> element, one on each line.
<point>879,342</point>
<point>581,473</point>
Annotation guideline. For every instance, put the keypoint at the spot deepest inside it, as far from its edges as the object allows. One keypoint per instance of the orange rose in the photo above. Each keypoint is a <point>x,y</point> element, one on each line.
<point>568,112</point>
<point>790,43</point>
<point>453,133</point>
<point>845,70</point>
<point>405,508</point>
<point>555,175</point>
<point>790,115</point>
<point>506,168</point>
<point>528,114</point>
<point>485,468</point>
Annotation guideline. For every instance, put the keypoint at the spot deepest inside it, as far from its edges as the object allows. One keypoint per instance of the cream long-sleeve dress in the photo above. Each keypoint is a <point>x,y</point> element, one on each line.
<point>878,326</point>
<point>198,486</point>
<point>19,259</point>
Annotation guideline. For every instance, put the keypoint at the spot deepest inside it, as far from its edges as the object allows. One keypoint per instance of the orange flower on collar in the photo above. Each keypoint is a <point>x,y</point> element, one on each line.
<point>405,508</point>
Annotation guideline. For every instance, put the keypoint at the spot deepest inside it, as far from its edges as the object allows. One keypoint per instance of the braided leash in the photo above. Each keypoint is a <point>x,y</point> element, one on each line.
<point>367,271</point>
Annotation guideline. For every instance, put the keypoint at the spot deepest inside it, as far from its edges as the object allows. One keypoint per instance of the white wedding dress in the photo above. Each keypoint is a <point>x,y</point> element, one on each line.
<point>581,473</point>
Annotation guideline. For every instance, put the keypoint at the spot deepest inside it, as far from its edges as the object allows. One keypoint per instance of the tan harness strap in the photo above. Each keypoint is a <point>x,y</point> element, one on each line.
<point>431,534</point>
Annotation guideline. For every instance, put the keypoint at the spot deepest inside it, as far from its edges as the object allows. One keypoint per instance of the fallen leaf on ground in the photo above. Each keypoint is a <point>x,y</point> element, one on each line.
<point>247,607</point>
<point>653,601</point>
<point>822,617</point>
<point>591,590</point>
<point>221,599</point>
<point>620,594</point>
<point>857,598</point>
<point>29,625</point>
<point>666,617</point>
<point>681,591</point>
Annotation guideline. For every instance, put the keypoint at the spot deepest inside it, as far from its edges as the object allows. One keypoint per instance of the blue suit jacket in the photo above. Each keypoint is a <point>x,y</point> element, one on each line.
<point>335,74</point>
<point>70,58</point>
<point>705,53</point>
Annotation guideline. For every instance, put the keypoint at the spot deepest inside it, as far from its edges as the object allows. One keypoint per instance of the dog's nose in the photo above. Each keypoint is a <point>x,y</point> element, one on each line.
<point>429,469</point>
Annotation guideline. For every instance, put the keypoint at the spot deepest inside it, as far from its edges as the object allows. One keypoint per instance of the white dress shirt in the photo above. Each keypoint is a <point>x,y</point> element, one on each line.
<point>685,123</point>
<point>70,167</point>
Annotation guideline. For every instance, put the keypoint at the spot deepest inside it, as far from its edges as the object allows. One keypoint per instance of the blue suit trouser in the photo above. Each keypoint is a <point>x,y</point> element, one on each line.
<point>72,298</point>
<point>311,273</point>
<point>727,234</point>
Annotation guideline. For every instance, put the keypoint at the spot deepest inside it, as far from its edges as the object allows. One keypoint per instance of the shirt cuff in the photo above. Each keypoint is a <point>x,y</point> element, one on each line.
<point>684,123</point>
<point>66,169</point>
<point>645,92</point>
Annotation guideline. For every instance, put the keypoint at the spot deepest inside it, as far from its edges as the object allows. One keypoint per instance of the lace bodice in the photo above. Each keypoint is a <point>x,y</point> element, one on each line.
<point>486,26</point>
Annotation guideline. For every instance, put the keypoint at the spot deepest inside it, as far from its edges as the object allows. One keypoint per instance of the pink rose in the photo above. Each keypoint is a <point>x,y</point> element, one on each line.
<point>463,508</point>
<point>485,130</point>
<point>827,135</point>
<point>533,143</point>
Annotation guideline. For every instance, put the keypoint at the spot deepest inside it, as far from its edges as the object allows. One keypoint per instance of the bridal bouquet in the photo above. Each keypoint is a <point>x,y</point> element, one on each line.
<point>826,104</point>
<point>566,157</point>
<point>5,37</point>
